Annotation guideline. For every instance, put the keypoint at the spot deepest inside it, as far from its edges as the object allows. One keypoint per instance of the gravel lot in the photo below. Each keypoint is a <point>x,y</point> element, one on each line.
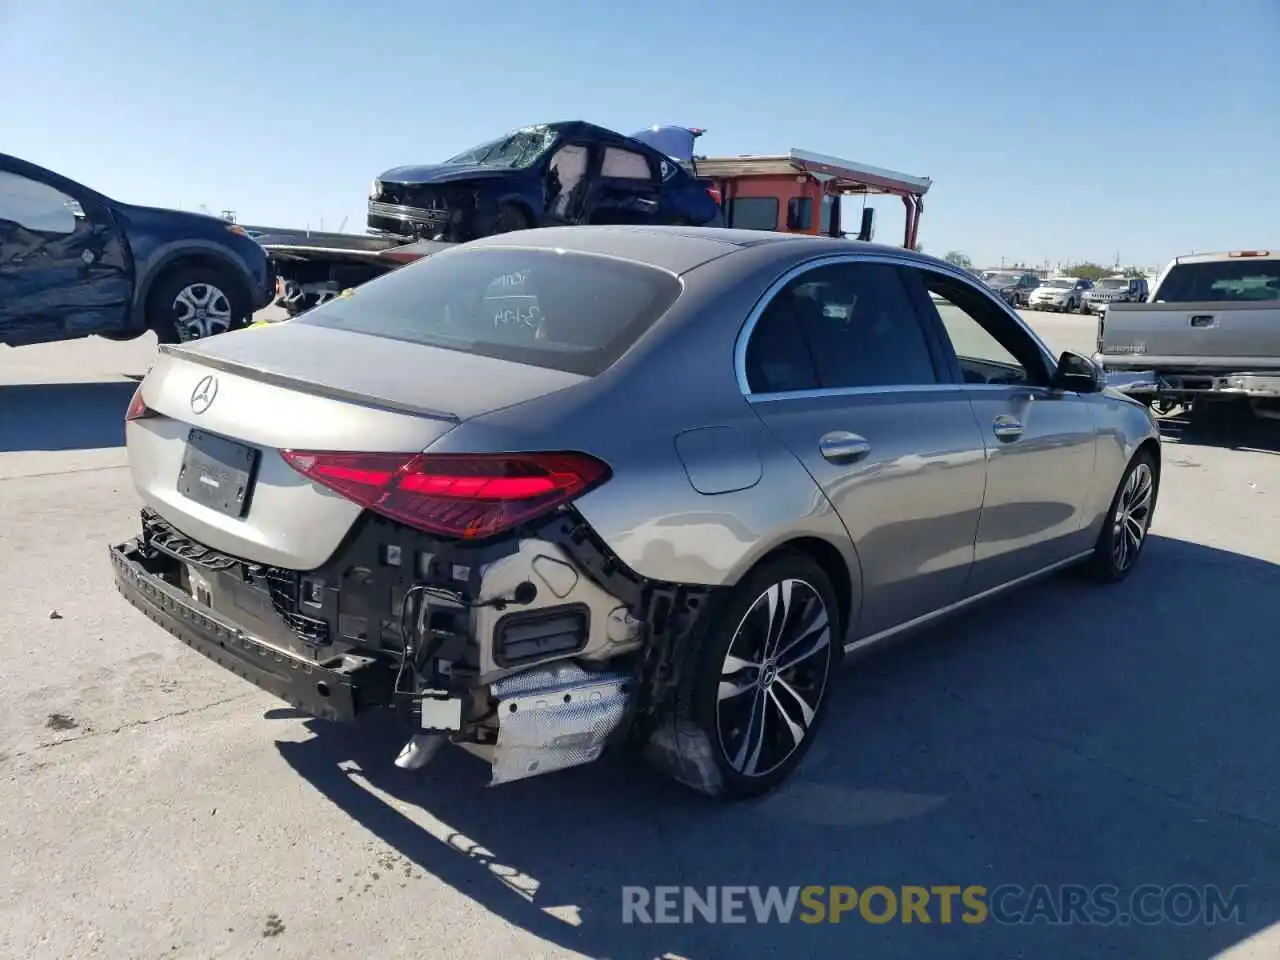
<point>156,806</point>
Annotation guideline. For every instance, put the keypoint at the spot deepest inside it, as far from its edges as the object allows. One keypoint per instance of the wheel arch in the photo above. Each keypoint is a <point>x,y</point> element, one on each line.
<point>186,257</point>
<point>1152,446</point>
<point>834,563</point>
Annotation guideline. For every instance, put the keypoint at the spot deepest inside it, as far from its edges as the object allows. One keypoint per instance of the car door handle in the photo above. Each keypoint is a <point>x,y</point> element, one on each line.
<point>841,446</point>
<point>1204,320</point>
<point>1006,427</point>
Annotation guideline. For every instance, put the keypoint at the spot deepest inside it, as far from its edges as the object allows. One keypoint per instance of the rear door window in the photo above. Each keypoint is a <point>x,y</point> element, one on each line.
<point>567,311</point>
<point>622,164</point>
<point>860,330</point>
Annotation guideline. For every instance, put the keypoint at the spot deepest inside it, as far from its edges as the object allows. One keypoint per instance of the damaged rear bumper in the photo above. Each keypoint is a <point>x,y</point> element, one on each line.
<point>338,690</point>
<point>475,674</point>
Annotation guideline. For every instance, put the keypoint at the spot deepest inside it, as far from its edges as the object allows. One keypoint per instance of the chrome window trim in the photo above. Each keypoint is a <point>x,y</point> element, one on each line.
<point>905,259</point>
<point>892,388</point>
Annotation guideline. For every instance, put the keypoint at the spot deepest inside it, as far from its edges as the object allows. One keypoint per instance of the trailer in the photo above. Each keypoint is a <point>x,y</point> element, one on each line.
<point>795,192</point>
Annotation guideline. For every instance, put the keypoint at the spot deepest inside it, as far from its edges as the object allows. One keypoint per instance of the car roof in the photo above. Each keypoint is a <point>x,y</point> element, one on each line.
<point>675,249</point>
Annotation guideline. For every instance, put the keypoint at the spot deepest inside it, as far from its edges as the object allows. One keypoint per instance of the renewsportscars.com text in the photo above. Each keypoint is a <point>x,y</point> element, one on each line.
<point>1011,904</point>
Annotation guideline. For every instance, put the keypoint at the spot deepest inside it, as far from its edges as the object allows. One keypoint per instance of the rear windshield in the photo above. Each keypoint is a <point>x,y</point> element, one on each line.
<point>1224,281</point>
<point>567,311</point>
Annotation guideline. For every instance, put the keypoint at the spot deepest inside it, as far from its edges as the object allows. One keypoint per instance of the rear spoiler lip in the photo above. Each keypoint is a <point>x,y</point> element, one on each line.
<point>277,379</point>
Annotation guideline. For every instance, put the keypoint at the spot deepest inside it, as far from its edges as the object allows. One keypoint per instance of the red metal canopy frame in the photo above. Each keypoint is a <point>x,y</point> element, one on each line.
<point>838,178</point>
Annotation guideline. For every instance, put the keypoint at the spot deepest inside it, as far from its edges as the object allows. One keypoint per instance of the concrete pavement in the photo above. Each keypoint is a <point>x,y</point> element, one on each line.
<point>156,806</point>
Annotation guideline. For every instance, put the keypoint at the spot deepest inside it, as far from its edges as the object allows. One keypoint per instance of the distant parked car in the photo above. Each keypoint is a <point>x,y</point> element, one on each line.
<point>1115,290</point>
<point>1060,295</point>
<point>74,263</point>
<point>1014,286</point>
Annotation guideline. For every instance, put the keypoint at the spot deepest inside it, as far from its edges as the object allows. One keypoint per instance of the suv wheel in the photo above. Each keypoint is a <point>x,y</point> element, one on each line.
<point>192,303</point>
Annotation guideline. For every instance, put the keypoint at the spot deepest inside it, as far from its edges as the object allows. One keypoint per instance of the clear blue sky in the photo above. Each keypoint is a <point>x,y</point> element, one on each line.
<point>1140,127</point>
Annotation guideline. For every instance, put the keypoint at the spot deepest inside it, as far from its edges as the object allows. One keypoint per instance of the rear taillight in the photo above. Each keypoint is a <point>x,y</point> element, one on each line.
<point>138,409</point>
<point>471,496</point>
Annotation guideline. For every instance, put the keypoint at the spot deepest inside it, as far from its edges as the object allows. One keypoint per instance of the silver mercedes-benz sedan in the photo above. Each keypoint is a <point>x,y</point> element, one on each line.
<point>551,492</point>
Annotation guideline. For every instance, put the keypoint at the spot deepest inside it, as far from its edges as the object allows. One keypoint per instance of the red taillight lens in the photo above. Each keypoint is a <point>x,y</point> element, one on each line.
<point>138,409</point>
<point>470,496</point>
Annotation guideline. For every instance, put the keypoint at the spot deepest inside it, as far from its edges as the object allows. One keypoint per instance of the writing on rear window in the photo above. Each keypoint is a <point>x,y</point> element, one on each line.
<point>574,312</point>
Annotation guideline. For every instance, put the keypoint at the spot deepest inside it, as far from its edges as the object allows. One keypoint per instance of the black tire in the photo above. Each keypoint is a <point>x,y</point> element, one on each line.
<point>1110,562</point>
<point>737,626</point>
<point>510,218</point>
<point>218,290</point>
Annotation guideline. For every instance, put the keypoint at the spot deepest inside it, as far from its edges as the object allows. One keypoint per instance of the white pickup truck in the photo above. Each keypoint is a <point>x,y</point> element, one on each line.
<point>1209,330</point>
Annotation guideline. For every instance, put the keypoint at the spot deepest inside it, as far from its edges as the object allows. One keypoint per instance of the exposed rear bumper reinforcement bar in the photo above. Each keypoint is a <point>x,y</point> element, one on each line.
<point>338,690</point>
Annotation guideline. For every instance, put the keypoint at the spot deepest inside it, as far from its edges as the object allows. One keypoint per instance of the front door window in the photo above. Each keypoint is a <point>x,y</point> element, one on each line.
<point>568,173</point>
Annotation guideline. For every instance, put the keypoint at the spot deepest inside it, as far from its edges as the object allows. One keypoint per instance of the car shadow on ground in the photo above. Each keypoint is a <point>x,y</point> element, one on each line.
<point>1065,735</point>
<point>1234,430</point>
<point>64,416</point>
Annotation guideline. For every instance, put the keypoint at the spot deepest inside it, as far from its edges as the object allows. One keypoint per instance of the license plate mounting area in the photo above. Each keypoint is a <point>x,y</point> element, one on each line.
<point>218,473</point>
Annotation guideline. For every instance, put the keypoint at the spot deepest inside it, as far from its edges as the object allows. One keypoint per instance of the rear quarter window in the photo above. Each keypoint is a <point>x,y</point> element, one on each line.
<point>566,311</point>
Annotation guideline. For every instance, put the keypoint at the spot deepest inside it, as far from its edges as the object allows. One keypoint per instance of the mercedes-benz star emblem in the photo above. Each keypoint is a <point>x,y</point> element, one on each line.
<point>203,395</point>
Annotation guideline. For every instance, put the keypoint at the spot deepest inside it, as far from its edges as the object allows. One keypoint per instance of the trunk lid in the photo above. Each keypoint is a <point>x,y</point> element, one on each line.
<point>289,385</point>
<point>1238,337</point>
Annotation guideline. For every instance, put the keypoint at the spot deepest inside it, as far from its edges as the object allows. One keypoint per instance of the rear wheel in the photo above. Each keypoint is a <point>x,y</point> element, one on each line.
<point>1124,532</point>
<point>191,303</point>
<point>758,690</point>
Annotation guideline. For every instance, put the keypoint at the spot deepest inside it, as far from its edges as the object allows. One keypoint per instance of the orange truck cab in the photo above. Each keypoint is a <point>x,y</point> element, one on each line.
<point>800,191</point>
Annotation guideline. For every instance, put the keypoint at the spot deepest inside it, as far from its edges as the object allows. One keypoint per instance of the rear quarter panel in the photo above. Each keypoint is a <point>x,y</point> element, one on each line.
<point>678,382</point>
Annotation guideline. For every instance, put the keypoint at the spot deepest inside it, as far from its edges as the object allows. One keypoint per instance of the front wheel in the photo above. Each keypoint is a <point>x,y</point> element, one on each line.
<point>191,303</point>
<point>511,218</point>
<point>1124,532</point>
<point>757,693</point>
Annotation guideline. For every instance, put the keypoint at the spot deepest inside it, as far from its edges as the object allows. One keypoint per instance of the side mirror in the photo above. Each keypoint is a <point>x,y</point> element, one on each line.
<point>1076,373</point>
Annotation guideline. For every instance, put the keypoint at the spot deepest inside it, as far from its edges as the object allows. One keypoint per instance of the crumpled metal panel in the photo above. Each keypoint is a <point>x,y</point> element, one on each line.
<point>555,717</point>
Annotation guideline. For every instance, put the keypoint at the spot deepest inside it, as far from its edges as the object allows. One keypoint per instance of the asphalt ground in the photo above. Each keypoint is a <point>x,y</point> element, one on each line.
<point>155,806</point>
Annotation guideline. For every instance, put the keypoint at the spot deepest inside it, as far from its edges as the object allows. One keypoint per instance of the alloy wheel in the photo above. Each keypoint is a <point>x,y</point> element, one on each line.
<point>201,310</point>
<point>1132,516</point>
<point>773,677</point>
